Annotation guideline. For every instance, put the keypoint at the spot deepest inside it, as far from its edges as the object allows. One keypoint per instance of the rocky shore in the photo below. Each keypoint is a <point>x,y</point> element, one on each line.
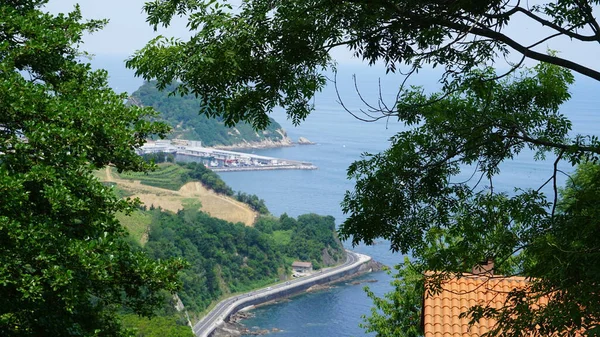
<point>304,141</point>
<point>265,144</point>
<point>371,266</point>
<point>235,328</point>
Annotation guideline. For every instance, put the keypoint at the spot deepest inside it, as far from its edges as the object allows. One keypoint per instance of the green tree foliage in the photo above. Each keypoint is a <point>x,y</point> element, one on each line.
<point>210,179</point>
<point>310,234</point>
<point>157,326</point>
<point>228,258</point>
<point>181,113</point>
<point>221,254</point>
<point>264,54</point>
<point>449,225</point>
<point>398,314</point>
<point>563,263</point>
<point>65,266</point>
<point>253,201</point>
<point>167,321</point>
<point>308,238</point>
<point>244,62</point>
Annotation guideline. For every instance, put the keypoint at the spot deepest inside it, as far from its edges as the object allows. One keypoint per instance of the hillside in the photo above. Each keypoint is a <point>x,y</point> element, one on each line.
<point>191,193</point>
<point>227,258</point>
<point>184,218</point>
<point>182,113</point>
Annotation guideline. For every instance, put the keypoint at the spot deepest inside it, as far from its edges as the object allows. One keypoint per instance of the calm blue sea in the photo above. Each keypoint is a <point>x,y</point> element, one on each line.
<point>340,140</point>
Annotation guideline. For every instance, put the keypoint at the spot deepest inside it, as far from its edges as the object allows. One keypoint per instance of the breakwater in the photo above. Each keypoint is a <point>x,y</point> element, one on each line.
<point>222,160</point>
<point>223,311</point>
<point>302,166</point>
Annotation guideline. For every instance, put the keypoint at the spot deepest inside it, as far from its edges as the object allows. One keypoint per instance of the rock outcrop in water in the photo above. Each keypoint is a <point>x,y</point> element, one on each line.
<point>304,141</point>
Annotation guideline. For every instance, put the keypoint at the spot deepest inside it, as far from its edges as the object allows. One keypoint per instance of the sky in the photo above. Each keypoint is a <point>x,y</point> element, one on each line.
<point>128,31</point>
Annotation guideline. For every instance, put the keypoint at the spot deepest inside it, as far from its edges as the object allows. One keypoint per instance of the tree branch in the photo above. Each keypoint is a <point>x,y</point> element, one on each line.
<point>567,32</point>
<point>481,30</point>
<point>554,183</point>
<point>528,52</point>
<point>559,146</point>
<point>587,12</point>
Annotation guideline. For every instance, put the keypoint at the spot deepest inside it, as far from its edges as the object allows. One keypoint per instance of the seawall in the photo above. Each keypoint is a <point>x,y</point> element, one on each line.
<point>292,291</point>
<point>252,299</point>
<point>307,166</point>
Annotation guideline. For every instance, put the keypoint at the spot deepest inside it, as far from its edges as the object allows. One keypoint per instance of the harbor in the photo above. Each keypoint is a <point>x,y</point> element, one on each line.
<point>221,160</point>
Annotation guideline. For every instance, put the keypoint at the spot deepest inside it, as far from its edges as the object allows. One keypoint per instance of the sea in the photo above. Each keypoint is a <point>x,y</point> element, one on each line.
<point>341,137</point>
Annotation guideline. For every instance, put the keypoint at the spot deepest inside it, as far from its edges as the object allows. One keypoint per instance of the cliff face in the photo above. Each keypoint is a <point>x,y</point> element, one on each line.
<point>329,260</point>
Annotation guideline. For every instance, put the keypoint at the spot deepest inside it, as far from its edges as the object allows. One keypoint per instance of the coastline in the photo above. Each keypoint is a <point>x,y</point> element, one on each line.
<point>263,144</point>
<point>222,160</point>
<point>222,312</point>
<point>266,144</point>
<point>266,168</point>
<point>233,326</point>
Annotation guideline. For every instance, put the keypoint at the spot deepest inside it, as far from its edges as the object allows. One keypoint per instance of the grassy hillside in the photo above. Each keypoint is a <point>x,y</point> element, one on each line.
<point>137,224</point>
<point>182,113</point>
<point>168,188</point>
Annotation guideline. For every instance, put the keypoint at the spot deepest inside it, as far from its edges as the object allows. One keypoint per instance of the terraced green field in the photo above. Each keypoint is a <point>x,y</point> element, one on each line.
<point>166,176</point>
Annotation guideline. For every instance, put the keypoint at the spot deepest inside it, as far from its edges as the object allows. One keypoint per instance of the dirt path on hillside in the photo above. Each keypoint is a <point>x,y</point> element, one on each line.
<point>216,205</point>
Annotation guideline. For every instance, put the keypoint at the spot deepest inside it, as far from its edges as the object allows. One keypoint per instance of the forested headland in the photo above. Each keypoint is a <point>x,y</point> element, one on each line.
<point>181,113</point>
<point>224,258</point>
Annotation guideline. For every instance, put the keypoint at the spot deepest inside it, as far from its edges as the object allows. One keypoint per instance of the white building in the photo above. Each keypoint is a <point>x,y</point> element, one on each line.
<point>302,267</point>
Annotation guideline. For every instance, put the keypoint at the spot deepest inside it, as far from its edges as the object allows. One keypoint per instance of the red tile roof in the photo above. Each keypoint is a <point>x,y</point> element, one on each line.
<point>441,311</point>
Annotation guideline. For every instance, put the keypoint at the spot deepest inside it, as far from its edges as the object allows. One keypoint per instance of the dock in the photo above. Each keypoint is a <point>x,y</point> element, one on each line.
<point>221,160</point>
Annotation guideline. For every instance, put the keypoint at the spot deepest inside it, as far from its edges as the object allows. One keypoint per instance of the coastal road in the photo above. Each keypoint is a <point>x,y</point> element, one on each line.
<point>225,308</point>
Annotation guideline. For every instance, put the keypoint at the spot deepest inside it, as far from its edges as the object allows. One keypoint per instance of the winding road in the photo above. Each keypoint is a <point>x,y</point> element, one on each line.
<point>225,308</point>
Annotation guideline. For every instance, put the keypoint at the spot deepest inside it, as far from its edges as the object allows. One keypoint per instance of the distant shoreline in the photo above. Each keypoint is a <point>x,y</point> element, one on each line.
<point>221,160</point>
<point>265,144</point>
<point>233,325</point>
<point>215,323</point>
<point>265,168</point>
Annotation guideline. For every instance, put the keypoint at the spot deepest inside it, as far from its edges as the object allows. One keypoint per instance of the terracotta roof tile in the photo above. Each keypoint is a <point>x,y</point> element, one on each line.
<point>441,311</point>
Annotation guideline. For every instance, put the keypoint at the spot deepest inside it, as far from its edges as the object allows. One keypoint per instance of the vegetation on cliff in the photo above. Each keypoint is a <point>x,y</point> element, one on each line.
<point>227,258</point>
<point>172,324</point>
<point>181,113</point>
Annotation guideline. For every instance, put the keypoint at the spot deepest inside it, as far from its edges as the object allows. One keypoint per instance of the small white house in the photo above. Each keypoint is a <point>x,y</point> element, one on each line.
<point>302,267</point>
